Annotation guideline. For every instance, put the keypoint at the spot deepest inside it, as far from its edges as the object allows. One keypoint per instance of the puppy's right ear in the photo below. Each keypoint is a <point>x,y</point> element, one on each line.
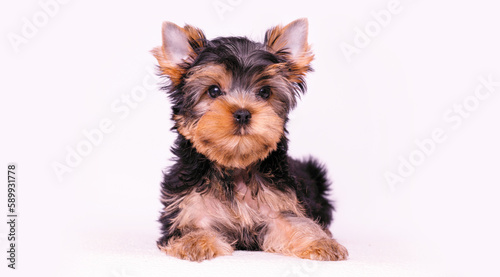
<point>178,49</point>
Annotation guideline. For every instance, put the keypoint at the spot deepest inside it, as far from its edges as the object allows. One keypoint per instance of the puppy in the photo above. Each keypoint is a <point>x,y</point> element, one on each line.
<point>233,186</point>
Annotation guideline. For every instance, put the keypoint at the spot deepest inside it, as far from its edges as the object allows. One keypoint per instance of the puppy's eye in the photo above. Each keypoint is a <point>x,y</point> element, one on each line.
<point>265,92</point>
<point>214,91</point>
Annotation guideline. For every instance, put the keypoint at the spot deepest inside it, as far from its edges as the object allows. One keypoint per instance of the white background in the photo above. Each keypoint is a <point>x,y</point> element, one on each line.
<point>359,117</point>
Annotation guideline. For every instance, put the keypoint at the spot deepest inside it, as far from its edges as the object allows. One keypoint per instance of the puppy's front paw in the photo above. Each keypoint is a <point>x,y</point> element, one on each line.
<point>324,250</point>
<point>196,246</point>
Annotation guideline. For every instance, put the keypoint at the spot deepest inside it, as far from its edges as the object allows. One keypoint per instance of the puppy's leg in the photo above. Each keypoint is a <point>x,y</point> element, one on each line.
<point>301,237</point>
<point>197,246</point>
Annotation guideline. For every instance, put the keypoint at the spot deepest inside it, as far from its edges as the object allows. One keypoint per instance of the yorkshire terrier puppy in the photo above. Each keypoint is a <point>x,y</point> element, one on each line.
<point>233,186</point>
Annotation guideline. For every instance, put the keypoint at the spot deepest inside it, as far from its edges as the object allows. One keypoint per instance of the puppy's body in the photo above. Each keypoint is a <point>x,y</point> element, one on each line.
<point>233,185</point>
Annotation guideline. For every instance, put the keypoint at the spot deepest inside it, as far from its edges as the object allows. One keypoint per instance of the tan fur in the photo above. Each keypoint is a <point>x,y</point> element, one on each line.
<point>301,237</point>
<point>293,235</point>
<point>167,66</point>
<point>217,136</point>
<point>277,42</point>
<point>255,204</point>
<point>173,71</point>
<point>200,79</point>
<point>198,82</point>
<point>197,246</point>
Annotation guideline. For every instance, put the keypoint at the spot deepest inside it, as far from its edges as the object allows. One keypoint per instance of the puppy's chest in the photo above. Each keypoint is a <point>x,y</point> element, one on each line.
<point>251,204</point>
<point>247,196</point>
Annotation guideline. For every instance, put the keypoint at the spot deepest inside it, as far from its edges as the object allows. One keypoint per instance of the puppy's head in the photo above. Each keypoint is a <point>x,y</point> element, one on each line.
<point>231,96</point>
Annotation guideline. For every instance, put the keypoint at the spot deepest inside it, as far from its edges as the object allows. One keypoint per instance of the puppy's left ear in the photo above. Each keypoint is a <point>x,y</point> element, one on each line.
<point>290,41</point>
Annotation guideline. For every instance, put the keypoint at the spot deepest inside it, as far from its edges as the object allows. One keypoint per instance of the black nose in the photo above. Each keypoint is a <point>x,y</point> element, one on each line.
<point>242,116</point>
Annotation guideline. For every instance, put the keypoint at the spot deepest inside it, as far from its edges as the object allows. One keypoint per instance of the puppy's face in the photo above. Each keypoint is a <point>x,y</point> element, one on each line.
<point>231,96</point>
